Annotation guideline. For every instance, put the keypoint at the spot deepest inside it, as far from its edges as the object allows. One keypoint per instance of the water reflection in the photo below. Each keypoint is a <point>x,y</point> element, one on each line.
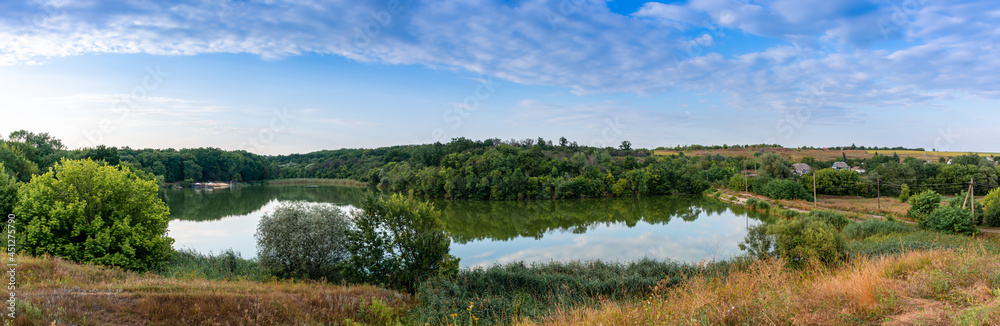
<point>483,233</point>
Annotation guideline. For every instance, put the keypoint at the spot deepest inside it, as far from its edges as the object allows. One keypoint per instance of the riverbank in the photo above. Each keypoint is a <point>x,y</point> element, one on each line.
<point>316,182</point>
<point>856,208</point>
<point>936,287</point>
<point>898,278</point>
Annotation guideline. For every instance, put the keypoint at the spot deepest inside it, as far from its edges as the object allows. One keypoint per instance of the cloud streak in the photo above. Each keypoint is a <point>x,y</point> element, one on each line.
<point>863,54</point>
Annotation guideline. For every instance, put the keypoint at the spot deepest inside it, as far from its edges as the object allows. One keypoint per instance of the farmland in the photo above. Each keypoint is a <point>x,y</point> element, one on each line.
<point>796,155</point>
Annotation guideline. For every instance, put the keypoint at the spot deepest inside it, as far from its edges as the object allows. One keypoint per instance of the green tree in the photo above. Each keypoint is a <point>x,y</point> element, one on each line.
<point>8,192</point>
<point>47,148</point>
<point>398,241</point>
<point>86,211</point>
<point>991,207</point>
<point>774,166</point>
<point>16,163</point>
<point>299,240</point>
<point>625,146</point>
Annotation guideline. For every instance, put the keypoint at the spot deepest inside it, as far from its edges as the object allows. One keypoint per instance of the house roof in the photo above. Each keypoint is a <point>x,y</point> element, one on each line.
<point>801,166</point>
<point>841,165</point>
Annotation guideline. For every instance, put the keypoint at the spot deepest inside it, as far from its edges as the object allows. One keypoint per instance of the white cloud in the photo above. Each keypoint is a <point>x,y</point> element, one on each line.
<point>942,48</point>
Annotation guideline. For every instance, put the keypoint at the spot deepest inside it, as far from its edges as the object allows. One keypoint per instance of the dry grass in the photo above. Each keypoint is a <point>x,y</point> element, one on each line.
<point>917,288</point>
<point>857,207</point>
<point>791,154</point>
<point>317,182</point>
<point>796,155</point>
<point>51,290</point>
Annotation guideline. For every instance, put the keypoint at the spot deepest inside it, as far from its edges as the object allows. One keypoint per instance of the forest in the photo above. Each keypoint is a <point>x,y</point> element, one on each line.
<point>495,169</point>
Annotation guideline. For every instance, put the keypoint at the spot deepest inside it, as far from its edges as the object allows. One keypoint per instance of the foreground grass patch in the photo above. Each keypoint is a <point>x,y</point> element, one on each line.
<point>52,290</point>
<point>955,286</point>
<point>504,294</point>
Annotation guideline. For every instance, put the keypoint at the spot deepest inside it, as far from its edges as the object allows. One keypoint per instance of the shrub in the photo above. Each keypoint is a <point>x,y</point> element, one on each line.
<point>517,291</point>
<point>227,265</point>
<point>923,204</point>
<point>868,228</point>
<point>398,242</point>
<point>991,208</point>
<point>783,189</point>
<point>752,203</point>
<point>951,219</point>
<point>300,240</point>
<point>904,193</point>
<point>837,220</point>
<point>759,243</point>
<point>807,239</point>
<point>737,183</point>
<point>763,205</point>
<point>86,211</point>
<point>960,200</point>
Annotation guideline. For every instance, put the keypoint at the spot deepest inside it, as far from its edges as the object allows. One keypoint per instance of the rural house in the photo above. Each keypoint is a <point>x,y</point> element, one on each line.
<point>858,169</point>
<point>801,168</point>
<point>841,166</point>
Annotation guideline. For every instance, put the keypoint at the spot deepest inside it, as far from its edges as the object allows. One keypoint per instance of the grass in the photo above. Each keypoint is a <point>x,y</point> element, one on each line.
<point>54,291</point>
<point>956,286</point>
<point>504,294</point>
<point>316,182</point>
<point>228,265</point>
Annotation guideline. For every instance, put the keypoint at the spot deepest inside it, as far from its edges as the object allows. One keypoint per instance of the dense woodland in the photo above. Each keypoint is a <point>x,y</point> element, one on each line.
<point>494,169</point>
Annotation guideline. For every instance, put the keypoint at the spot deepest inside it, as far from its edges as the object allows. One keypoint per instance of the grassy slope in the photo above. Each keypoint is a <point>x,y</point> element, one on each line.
<point>54,291</point>
<point>937,287</point>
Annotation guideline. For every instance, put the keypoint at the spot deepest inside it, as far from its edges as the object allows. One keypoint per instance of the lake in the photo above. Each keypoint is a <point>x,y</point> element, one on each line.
<point>687,229</point>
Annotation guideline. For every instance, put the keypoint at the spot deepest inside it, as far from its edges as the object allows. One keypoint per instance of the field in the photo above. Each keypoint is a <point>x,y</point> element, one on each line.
<point>796,155</point>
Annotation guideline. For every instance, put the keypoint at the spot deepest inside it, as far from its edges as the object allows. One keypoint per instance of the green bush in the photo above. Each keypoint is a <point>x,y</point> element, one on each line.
<point>306,241</point>
<point>951,219</point>
<point>807,239</point>
<point>86,211</point>
<point>991,208</point>
<point>763,205</point>
<point>923,204</point>
<point>398,242</point>
<point>837,220</point>
<point>752,202</point>
<point>511,292</point>
<point>737,183</point>
<point>783,189</point>
<point>227,265</point>
<point>759,243</point>
<point>904,193</point>
<point>868,228</point>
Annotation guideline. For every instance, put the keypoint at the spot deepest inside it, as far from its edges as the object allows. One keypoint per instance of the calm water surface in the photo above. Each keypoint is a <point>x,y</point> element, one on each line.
<point>484,233</point>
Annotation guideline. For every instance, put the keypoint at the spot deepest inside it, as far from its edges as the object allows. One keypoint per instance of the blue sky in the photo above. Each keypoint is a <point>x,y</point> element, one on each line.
<point>278,77</point>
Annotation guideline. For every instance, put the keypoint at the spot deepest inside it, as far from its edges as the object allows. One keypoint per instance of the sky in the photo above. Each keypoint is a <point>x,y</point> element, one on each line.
<point>294,76</point>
